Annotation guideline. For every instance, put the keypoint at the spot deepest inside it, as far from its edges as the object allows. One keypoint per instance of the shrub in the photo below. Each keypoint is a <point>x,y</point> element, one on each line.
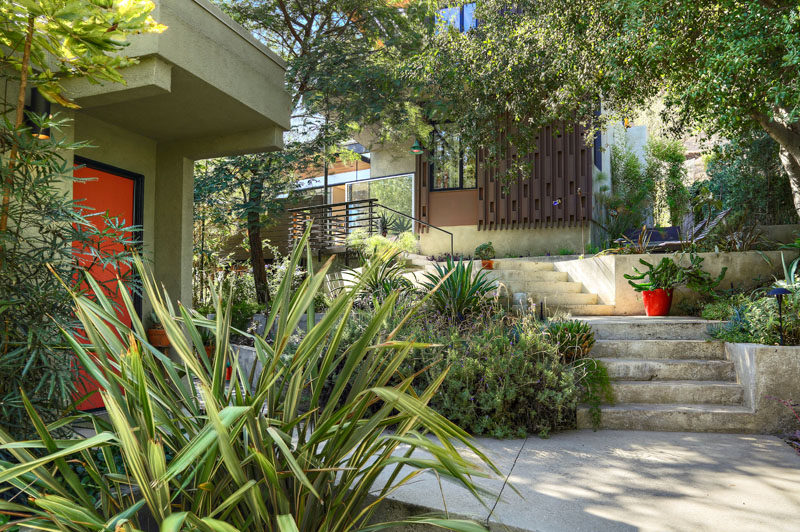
<point>573,338</point>
<point>47,229</point>
<point>380,275</point>
<point>367,245</point>
<point>756,320</point>
<point>260,453</point>
<point>485,251</point>
<point>461,292</point>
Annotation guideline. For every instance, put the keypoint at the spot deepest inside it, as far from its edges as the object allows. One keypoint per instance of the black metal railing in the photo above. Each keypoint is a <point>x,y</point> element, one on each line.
<point>333,222</point>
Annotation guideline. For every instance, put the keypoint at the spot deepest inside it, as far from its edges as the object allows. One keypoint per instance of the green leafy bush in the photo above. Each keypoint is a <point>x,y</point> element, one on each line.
<point>755,319</point>
<point>461,292</point>
<point>366,245</point>
<point>573,338</point>
<point>47,229</point>
<point>380,275</point>
<point>261,452</point>
<point>485,251</point>
<point>668,274</point>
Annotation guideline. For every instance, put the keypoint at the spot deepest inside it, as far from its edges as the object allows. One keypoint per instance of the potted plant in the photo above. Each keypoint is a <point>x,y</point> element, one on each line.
<point>156,335</point>
<point>485,252</point>
<point>660,282</point>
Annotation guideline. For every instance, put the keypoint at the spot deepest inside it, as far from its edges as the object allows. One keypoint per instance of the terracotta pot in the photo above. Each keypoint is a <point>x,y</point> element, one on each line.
<point>209,351</point>
<point>657,302</point>
<point>487,264</point>
<point>157,337</point>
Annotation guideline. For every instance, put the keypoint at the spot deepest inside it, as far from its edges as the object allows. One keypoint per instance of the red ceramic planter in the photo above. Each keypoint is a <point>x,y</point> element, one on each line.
<point>487,264</point>
<point>657,302</point>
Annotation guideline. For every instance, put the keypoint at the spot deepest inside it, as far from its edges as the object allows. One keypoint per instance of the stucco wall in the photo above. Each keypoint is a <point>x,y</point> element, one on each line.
<point>509,242</point>
<point>767,371</point>
<point>604,275</point>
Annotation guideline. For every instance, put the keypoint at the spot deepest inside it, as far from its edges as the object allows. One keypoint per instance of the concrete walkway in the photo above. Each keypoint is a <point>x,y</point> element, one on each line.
<point>626,480</point>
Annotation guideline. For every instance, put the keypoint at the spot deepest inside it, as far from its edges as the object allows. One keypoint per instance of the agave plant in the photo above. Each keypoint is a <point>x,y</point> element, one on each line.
<point>262,452</point>
<point>461,290</point>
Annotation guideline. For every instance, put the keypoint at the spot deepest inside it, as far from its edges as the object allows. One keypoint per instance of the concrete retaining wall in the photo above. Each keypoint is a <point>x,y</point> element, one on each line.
<point>767,371</point>
<point>604,275</point>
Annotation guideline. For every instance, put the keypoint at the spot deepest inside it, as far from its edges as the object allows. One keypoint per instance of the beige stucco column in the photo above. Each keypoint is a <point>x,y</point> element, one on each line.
<point>173,219</point>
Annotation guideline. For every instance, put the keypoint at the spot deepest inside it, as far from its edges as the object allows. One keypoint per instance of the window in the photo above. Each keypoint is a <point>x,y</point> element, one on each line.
<point>452,165</point>
<point>461,18</point>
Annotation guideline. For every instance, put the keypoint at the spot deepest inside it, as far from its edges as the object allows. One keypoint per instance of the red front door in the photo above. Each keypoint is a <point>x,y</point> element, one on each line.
<point>113,193</point>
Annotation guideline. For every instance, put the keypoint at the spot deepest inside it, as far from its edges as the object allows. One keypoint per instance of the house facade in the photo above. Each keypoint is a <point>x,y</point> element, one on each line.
<point>203,88</point>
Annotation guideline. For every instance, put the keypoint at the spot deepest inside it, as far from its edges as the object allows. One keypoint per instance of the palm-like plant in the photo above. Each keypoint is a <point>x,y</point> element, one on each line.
<point>381,274</point>
<point>461,291</point>
<point>262,452</point>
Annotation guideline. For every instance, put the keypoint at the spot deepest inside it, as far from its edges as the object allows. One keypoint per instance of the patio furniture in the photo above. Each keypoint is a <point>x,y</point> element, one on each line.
<point>699,233</point>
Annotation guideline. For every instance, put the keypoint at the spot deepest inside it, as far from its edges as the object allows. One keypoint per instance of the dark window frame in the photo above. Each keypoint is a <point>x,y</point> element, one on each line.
<point>432,169</point>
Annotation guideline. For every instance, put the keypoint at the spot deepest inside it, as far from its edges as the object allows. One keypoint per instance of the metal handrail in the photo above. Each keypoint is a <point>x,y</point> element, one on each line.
<point>420,222</point>
<point>340,223</point>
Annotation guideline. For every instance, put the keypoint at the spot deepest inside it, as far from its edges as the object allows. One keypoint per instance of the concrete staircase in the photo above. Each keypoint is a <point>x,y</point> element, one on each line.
<point>667,375</point>
<point>526,281</point>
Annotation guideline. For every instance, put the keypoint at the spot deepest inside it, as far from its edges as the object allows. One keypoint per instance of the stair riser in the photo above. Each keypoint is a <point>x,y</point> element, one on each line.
<point>659,349</point>
<point>543,287</point>
<point>528,277</point>
<point>647,370</point>
<point>577,310</point>
<point>671,421</point>
<point>655,393</point>
<point>528,266</point>
<point>651,331</point>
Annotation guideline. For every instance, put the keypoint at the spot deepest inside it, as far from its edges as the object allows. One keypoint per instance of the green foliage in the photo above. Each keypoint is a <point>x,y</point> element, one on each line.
<point>667,173</point>
<point>505,378</point>
<point>367,245</point>
<point>746,176</point>
<point>261,452</point>
<point>566,251</point>
<point>596,388</point>
<point>755,319</point>
<point>462,291</point>
<point>485,251</point>
<point>573,338</point>
<point>47,229</point>
<point>668,274</point>
<point>381,275</point>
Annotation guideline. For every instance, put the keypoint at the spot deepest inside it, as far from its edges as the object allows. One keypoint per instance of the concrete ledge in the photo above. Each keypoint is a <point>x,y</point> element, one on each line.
<point>768,371</point>
<point>604,275</point>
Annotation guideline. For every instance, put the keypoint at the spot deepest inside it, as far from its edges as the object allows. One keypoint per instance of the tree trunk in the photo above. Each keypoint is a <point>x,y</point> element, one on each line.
<point>254,238</point>
<point>787,135</point>
<point>792,166</point>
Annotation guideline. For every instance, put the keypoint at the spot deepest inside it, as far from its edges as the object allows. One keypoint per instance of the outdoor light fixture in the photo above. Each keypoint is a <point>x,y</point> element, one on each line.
<point>416,149</point>
<point>41,107</point>
<point>557,203</point>
<point>779,293</point>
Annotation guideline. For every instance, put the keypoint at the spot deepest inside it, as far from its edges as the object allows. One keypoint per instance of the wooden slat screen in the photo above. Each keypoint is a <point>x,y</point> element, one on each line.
<point>561,169</point>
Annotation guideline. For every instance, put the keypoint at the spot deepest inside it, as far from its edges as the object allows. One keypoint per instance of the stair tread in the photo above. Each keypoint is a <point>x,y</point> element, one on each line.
<point>731,384</point>
<point>684,407</point>
<point>665,361</point>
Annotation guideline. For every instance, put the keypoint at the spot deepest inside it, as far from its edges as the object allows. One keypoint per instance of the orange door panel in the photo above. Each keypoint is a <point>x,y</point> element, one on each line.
<point>109,193</point>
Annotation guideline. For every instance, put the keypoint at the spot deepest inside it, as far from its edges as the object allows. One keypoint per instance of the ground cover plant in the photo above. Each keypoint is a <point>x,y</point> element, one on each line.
<point>261,452</point>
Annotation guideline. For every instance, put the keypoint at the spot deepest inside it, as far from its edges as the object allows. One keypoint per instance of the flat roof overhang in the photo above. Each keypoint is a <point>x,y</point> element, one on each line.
<point>204,83</point>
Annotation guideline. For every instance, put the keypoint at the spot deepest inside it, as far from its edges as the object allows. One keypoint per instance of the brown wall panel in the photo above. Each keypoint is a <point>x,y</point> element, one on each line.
<point>453,207</point>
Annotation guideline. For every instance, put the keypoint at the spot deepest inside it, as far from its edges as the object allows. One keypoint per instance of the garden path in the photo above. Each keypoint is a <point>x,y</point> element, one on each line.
<point>631,480</point>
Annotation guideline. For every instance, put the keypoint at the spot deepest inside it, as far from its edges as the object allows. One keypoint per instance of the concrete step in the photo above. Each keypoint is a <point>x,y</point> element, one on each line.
<point>672,417</point>
<point>576,310</point>
<point>650,328</point>
<point>535,276</point>
<point>521,264</point>
<point>669,370</point>
<point>551,300</point>
<point>659,349</point>
<point>684,392</point>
